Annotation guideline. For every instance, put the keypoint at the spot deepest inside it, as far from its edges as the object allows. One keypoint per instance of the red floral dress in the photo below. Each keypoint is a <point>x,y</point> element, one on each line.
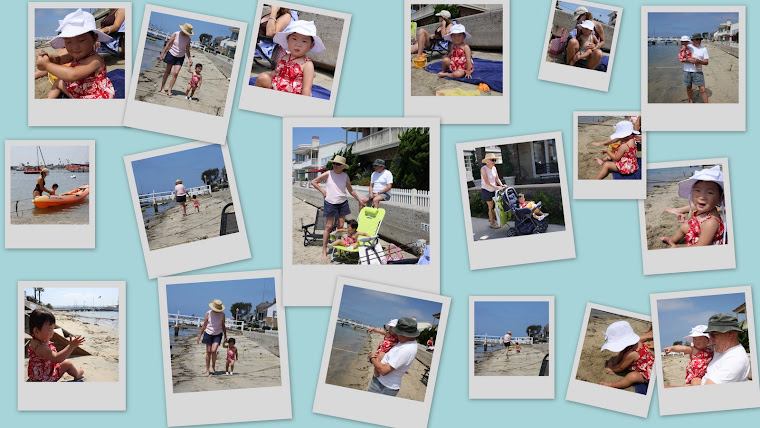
<point>41,369</point>
<point>349,240</point>
<point>458,60</point>
<point>695,228</point>
<point>684,54</point>
<point>698,364</point>
<point>194,81</point>
<point>288,76</point>
<point>627,164</point>
<point>230,355</point>
<point>94,86</point>
<point>387,344</point>
<point>645,362</point>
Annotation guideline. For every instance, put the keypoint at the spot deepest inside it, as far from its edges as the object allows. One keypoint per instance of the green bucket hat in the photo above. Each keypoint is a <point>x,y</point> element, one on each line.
<point>406,327</point>
<point>696,36</point>
<point>722,323</point>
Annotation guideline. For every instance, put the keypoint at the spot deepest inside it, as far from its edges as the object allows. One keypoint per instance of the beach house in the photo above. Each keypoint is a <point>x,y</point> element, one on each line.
<point>266,313</point>
<point>727,32</point>
<point>532,162</point>
<point>228,46</point>
<point>309,160</point>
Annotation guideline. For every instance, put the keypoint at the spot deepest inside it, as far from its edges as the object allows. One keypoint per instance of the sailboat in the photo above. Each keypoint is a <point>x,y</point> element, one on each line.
<point>36,169</point>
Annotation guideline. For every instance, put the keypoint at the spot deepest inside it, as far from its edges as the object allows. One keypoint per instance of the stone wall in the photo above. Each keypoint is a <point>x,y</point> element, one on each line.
<point>486,28</point>
<point>329,29</point>
<point>564,19</point>
<point>270,342</point>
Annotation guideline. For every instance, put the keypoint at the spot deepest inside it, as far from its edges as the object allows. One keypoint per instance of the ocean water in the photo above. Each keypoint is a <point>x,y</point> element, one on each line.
<point>665,74</point>
<point>347,343</point>
<point>22,186</point>
<point>149,213</point>
<point>152,51</point>
<point>101,318</point>
<point>664,176</point>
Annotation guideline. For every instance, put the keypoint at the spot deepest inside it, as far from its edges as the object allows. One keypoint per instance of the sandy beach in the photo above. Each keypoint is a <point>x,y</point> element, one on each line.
<point>42,85</point>
<point>659,222</point>
<point>425,83</point>
<point>593,361</point>
<point>210,98</point>
<point>169,228</point>
<point>588,132</point>
<point>256,367</point>
<point>674,369</point>
<point>358,373</point>
<point>526,363</point>
<point>304,213</point>
<point>102,342</point>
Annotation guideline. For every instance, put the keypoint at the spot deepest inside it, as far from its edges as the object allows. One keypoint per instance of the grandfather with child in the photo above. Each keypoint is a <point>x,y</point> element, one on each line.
<point>390,369</point>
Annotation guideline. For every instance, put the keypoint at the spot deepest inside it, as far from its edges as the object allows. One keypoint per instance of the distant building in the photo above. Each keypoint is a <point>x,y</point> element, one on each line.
<point>376,143</point>
<point>727,32</point>
<point>309,160</point>
<point>532,162</point>
<point>266,313</point>
<point>612,18</point>
<point>229,45</point>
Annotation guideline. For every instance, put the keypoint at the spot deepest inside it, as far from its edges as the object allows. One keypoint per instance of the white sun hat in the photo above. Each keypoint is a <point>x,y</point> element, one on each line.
<point>712,174</point>
<point>73,25</point>
<point>623,129</point>
<point>685,39</point>
<point>457,28</point>
<point>307,28</point>
<point>697,331</point>
<point>619,335</point>
<point>587,24</point>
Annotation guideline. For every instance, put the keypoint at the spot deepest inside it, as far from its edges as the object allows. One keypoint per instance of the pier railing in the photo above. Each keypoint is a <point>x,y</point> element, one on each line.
<point>483,338</point>
<point>191,321</point>
<point>151,198</point>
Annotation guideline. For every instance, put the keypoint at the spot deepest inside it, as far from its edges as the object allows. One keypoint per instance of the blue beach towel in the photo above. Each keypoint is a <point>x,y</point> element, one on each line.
<point>602,66</point>
<point>316,90</point>
<point>117,80</point>
<point>635,176</point>
<point>486,71</point>
<point>641,388</point>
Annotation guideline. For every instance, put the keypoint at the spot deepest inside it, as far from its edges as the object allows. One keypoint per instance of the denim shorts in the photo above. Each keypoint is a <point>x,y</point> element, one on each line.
<point>486,195</point>
<point>336,210</point>
<point>693,78</point>
<point>173,60</point>
<point>209,339</point>
<point>385,196</point>
<point>378,388</point>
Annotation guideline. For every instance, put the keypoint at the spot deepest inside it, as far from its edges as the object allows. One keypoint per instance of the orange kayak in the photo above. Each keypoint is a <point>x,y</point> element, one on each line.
<point>75,195</point>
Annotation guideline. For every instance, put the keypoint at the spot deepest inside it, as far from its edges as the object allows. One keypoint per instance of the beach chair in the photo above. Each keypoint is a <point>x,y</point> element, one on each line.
<point>369,220</point>
<point>266,47</point>
<point>229,221</point>
<point>425,376</point>
<point>544,370</point>
<point>117,42</point>
<point>314,232</point>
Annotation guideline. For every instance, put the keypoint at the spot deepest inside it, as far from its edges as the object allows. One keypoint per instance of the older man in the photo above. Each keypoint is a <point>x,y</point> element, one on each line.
<point>692,68</point>
<point>730,363</point>
<point>582,14</point>
<point>380,184</point>
<point>397,361</point>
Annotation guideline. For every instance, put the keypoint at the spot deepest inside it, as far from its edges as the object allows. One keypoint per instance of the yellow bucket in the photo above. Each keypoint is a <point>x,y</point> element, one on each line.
<point>419,61</point>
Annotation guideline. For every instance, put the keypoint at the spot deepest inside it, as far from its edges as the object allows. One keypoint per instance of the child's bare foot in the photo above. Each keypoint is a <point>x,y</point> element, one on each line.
<point>441,74</point>
<point>80,374</point>
<point>598,144</point>
<point>599,161</point>
<point>667,241</point>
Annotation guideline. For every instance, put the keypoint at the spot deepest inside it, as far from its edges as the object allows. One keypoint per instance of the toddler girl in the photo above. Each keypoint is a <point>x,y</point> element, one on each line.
<point>85,77</point>
<point>586,40</point>
<point>350,239</point>
<point>195,203</point>
<point>704,226</point>
<point>701,354</point>
<point>459,60</point>
<point>46,364</point>
<point>632,355</point>
<point>620,155</point>
<point>685,53</point>
<point>537,214</point>
<point>295,71</point>
<point>232,355</point>
<point>388,342</point>
<point>195,82</point>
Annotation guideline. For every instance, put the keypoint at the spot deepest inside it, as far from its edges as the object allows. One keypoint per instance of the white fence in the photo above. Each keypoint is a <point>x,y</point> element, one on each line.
<point>179,319</point>
<point>150,198</point>
<point>482,338</point>
<point>414,197</point>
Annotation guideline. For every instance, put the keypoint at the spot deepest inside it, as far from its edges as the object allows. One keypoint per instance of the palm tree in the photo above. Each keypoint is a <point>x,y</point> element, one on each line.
<point>38,293</point>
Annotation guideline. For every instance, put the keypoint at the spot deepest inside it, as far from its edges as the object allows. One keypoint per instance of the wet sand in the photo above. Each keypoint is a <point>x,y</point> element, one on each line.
<point>304,213</point>
<point>102,365</point>
<point>42,85</point>
<point>358,374</point>
<point>659,222</point>
<point>425,83</point>
<point>255,368</point>
<point>170,228</point>
<point>526,363</point>
<point>593,361</point>
<point>210,98</point>
<point>593,132</point>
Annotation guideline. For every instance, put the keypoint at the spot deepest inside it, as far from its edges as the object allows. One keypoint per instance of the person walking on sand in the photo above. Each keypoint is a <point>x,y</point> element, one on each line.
<point>178,47</point>
<point>692,68</point>
<point>489,184</point>
<point>212,330</point>
<point>507,340</point>
<point>40,186</point>
<point>392,367</point>
<point>180,195</point>
<point>336,201</point>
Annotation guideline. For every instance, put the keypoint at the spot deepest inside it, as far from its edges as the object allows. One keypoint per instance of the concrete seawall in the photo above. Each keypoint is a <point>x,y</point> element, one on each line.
<point>402,223</point>
<point>486,28</point>
<point>564,19</point>
<point>269,342</point>
<point>731,50</point>
<point>329,29</point>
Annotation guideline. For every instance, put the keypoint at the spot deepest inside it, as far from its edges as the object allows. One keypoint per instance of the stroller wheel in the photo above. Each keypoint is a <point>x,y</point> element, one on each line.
<point>541,228</point>
<point>511,232</point>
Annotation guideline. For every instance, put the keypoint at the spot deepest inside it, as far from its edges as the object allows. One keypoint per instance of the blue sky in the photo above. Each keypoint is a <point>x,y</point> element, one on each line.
<point>28,154</point>
<point>599,13</point>
<point>496,318</point>
<point>676,24</point>
<point>677,316</point>
<point>72,296</point>
<point>377,308</point>
<point>193,299</point>
<point>171,23</point>
<point>46,20</point>
<point>326,135</point>
<point>159,172</point>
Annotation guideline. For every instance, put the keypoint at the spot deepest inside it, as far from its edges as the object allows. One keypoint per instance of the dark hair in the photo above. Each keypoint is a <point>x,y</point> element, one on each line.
<point>195,196</point>
<point>198,65</point>
<point>353,223</point>
<point>231,340</point>
<point>55,185</point>
<point>39,317</point>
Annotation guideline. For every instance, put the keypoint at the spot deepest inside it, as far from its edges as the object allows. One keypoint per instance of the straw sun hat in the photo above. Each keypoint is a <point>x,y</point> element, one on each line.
<point>578,12</point>
<point>712,174</point>
<point>490,156</point>
<point>177,181</point>
<point>307,28</point>
<point>216,306</point>
<point>187,28</point>
<point>75,24</point>
<point>340,160</point>
<point>619,335</point>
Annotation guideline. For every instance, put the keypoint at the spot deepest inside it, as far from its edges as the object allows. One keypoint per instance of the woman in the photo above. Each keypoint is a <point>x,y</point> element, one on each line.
<point>425,40</point>
<point>112,25</point>
<point>180,195</point>
<point>582,14</point>
<point>489,184</point>
<point>40,186</point>
<point>272,23</point>
<point>212,331</point>
<point>179,47</point>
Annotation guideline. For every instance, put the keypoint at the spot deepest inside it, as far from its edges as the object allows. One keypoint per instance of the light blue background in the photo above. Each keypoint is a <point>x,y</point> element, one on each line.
<point>607,269</point>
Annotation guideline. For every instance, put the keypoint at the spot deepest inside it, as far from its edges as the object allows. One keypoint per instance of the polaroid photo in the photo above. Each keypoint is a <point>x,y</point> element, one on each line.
<point>187,208</point>
<point>361,197</point>
<point>274,52</point>
<point>394,333</point>
<point>526,201</point>
<point>681,66</point>
<point>484,51</point>
<point>186,75</point>
<point>580,45</point>
<point>76,98</point>
<point>602,169</point>
<point>85,321</point>
<point>602,375</point>
<point>683,199</point>
<point>706,341</point>
<point>224,346</point>
<point>49,192</point>
<point>506,365</point>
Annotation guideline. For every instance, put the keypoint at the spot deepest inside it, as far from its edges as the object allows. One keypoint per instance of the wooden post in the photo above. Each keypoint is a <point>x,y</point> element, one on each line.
<point>176,330</point>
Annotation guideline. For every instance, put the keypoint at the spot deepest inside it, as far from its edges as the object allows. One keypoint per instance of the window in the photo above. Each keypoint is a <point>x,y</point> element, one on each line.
<point>544,158</point>
<point>274,314</point>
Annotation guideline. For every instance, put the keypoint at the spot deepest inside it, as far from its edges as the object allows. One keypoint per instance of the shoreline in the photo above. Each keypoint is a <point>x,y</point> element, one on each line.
<point>526,363</point>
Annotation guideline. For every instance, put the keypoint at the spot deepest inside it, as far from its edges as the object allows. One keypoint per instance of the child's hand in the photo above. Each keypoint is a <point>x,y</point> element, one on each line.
<point>76,341</point>
<point>668,350</point>
<point>43,61</point>
<point>468,74</point>
<point>589,46</point>
<point>683,218</point>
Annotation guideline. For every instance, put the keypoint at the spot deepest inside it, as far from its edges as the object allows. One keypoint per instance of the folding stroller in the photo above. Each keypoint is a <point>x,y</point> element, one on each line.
<point>506,201</point>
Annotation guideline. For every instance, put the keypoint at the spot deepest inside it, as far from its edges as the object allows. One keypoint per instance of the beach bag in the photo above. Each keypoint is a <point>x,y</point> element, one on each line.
<point>557,45</point>
<point>372,255</point>
<point>499,210</point>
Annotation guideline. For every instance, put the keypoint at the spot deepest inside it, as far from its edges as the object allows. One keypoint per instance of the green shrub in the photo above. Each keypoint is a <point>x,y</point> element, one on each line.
<point>478,208</point>
<point>550,205</point>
